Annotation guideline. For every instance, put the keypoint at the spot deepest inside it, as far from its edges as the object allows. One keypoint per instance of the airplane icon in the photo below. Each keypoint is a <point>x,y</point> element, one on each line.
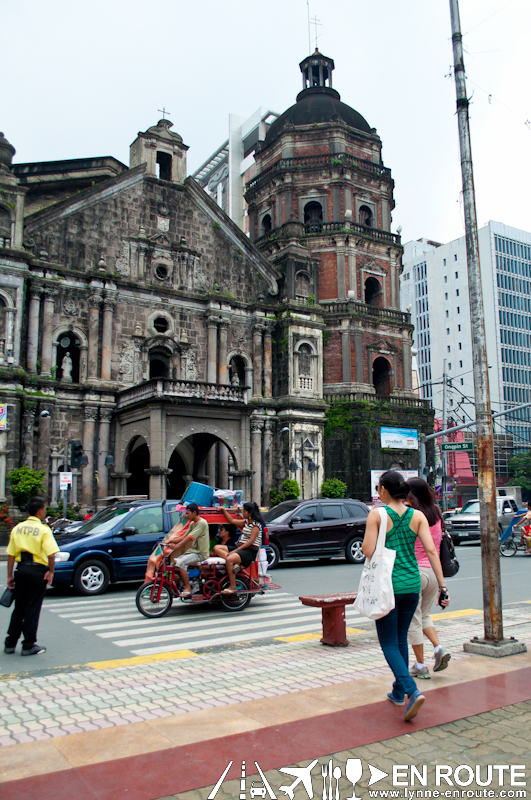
<point>301,774</point>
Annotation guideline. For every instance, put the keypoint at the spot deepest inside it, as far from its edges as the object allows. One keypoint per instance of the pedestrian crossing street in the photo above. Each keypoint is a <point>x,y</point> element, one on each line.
<point>183,628</point>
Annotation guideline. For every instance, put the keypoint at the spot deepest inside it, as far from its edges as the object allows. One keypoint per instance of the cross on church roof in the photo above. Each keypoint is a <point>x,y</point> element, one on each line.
<point>163,112</point>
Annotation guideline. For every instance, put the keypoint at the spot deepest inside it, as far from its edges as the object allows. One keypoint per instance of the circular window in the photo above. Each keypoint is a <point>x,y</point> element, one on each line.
<point>65,341</point>
<point>161,272</point>
<point>161,324</point>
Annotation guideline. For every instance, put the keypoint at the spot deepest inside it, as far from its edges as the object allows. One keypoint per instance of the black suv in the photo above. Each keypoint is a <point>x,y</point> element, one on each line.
<point>323,528</point>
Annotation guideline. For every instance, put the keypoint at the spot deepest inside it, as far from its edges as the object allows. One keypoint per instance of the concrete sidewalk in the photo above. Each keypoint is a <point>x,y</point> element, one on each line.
<point>150,727</point>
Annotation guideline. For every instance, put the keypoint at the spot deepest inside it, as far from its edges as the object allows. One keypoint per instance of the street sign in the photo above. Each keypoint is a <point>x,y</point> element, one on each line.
<point>454,446</point>
<point>65,480</point>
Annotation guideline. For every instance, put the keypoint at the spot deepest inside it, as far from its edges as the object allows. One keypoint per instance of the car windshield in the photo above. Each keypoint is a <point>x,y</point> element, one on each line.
<point>471,508</point>
<point>104,520</point>
<point>280,512</point>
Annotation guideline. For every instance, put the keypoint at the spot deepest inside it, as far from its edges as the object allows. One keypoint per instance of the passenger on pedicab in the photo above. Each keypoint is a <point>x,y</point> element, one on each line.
<point>227,542</point>
<point>248,545</point>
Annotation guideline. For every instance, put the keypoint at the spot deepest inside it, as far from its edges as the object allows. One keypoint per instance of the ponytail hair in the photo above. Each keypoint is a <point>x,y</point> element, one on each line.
<point>393,481</point>
<point>254,511</point>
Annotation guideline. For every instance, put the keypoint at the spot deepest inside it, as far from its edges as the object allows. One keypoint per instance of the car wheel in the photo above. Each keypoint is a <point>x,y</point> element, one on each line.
<point>91,577</point>
<point>353,552</point>
<point>275,552</point>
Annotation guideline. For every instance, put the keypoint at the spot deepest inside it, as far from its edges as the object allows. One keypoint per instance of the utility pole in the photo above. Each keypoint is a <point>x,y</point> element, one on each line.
<point>444,426</point>
<point>490,557</point>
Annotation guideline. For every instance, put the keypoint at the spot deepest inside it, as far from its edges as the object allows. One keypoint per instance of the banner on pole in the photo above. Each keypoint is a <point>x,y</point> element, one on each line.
<point>3,417</point>
<point>65,480</point>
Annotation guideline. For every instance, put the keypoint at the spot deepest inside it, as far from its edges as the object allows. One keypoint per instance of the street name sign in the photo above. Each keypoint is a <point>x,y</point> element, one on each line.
<point>453,446</point>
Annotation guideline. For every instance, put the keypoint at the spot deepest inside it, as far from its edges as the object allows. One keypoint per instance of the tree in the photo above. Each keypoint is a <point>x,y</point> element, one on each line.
<point>333,487</point>
<point>291,489</point>
<point>520,468</point>
<point>25,483</point>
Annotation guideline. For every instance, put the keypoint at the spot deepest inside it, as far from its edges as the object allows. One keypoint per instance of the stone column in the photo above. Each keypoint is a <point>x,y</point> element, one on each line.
<point>257,360</point>
<point>158,482</point>
<point>341,274</point>
<point>93,335</point>
<point>222,360</point>
<point>257,426</point>
<point>268,362</point>
<point>211,466</point>
<point>103,451</point>
<point>358,355</point>
<point>33,328</point>
<point>346,361</point>
<point>106,344</point>
<point>28,421</point>
<point>249,382</point>
<point>43,445</point>
<point>212,346</point>
<point>89,428</point>
<point>47,333</point>
<point>10,329</point>
<point>157,452</point>
<point>395,376</point>
<point>268,459</point>
<point>223,465</point>
<point>406,363</point>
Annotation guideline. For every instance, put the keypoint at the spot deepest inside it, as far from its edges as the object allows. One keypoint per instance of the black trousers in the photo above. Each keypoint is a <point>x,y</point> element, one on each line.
<point>30,588</point>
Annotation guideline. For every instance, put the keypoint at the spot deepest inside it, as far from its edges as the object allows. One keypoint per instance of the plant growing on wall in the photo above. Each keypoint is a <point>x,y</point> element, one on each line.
<point>25,482</point>
<point>333,487</point>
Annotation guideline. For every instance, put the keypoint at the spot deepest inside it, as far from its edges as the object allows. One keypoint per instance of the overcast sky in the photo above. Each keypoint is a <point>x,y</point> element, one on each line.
<point>81,79</point>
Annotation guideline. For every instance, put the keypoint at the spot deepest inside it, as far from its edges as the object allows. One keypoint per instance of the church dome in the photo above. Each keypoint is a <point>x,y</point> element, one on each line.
<point>318,101</point>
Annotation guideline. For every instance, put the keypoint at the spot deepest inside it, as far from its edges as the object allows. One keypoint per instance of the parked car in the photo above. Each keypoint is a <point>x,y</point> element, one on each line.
<point>464,525</point>
<point>116,543</point>
<point>323,528</point>
<point>65,525</point>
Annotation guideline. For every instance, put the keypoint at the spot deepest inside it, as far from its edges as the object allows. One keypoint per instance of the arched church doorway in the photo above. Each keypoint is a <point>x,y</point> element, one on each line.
<point>313,214</point>
<point>159,363</point>
<point>136,462</point>
<point>176,480</point>
<point>381,375</point>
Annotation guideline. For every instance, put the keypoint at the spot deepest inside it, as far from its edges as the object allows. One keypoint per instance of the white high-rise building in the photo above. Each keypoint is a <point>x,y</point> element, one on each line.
<point>434,286</point>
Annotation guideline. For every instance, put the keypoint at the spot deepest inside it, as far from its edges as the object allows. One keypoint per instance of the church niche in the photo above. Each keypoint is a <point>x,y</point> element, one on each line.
<point>68,358</point>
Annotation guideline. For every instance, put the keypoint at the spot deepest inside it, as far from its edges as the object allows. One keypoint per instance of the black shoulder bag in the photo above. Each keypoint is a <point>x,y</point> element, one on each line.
<point>449,563</point>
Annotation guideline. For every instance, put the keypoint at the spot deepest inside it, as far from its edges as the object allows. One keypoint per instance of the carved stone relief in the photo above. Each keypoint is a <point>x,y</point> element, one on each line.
<point>126,360</point>
<point>122,262</point>
<point>189,366</point>
<point>70,306</point>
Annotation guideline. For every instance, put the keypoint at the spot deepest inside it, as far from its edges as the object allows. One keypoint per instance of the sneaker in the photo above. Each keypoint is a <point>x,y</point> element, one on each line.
<point>422,672</point>
<point>441,660</point>
<point>9,650</point>
<point>415,702</point>
<point>36,650</point>
<point>394,700</point>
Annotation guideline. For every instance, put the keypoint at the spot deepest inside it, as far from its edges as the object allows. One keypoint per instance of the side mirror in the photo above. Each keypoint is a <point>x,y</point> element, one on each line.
<point>294,520</point>
<point>127,531</point>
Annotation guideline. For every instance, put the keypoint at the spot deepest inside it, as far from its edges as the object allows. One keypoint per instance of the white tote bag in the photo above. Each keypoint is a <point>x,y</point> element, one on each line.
<point>376,597</point>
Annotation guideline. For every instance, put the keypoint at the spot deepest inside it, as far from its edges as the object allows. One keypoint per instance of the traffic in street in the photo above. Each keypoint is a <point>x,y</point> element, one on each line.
<point>80,630</point>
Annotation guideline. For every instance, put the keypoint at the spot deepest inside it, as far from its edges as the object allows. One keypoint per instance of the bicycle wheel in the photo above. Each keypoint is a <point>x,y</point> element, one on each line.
<point>508,548</point>
<point>150,608</point>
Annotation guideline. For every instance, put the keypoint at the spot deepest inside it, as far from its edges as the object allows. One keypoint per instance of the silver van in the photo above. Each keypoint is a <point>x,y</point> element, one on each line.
<point>464,524</point>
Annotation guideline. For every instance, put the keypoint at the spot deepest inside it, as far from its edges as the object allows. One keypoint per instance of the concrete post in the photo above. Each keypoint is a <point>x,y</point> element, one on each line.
<point>257,426</point>
<point>268,362</point>
<point>93,335</point>
<point>346,362</point>
<point>257,360</point>
<point>43,447</point>
<point>106,345</point>
<point>268,459</point>
<point>33,328</point>
<point>157,472</point>
<point>3,464</point>
<point>103,451</point>
<point>222,362</point>
<point>212,343</point>
<point>89,426</point>
<point>358,354</point>
<point>47,333</point>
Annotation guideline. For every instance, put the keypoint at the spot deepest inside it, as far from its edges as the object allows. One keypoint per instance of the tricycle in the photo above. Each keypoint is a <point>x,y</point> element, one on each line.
<point>207,581</point>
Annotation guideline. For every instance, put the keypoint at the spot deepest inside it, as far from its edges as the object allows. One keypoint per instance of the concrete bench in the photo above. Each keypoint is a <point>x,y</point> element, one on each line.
<point>333,611</point>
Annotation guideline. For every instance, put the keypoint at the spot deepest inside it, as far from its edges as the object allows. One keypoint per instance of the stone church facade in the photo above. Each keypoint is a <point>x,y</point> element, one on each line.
<point>143,323</point>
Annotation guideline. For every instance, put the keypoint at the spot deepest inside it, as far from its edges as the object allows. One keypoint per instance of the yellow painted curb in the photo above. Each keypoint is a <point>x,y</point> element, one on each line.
<point>305,637</point>
<point>131,662</point>
<point>454,614</point>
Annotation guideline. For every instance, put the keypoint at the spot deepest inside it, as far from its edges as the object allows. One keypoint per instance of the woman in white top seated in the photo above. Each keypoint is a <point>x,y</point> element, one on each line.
<point>248,545</point>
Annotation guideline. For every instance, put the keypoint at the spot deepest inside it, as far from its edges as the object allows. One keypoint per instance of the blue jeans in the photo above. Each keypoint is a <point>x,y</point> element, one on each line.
<point>392,635</point>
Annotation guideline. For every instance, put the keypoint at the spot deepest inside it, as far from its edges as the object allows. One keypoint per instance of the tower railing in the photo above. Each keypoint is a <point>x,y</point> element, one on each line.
<point>162,388</point>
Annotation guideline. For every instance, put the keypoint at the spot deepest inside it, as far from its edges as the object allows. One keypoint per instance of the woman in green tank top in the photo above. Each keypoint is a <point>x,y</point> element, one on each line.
<point>404,524</point>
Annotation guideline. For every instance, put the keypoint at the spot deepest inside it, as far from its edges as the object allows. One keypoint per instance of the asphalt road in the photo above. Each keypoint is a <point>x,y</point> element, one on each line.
<point>78,630</point>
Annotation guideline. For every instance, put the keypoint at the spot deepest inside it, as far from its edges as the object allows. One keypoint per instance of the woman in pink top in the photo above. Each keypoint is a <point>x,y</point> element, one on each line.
<point>422,498</point>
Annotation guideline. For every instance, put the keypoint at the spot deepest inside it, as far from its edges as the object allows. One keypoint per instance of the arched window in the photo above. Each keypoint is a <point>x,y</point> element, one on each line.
<point>237,371</point>
<point>365,216</point>
<point>266,224</point>
<point>159,363</point>
<point>5,228</point>
<point>68,357</point>
<point>305,367</point>
<point>381,375</point>
<point>373,292</point>
<point>302,286</point>
<point>313,214</point>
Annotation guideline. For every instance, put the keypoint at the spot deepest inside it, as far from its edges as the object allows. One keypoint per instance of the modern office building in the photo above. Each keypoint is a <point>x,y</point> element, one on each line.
<point>434,283</point>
